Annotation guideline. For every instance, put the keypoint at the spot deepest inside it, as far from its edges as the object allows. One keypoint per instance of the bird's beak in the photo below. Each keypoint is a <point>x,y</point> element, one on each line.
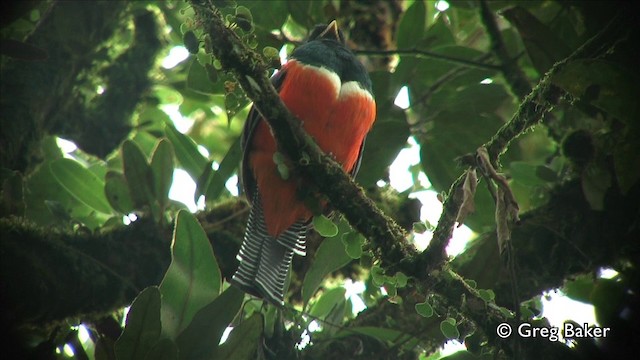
<point>331,32</point>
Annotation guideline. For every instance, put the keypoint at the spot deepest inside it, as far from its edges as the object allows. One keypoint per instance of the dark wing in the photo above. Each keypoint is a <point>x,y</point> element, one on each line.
<point>253,119</point>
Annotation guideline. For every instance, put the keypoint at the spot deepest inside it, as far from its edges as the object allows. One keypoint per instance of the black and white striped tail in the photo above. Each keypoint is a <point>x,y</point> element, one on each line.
<point>265,260</point>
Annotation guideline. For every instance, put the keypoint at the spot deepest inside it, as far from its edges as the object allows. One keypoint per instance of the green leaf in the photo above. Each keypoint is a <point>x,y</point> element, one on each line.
<point>487,294</point>
<point>243,341</point>
<point>419,227</point>
<point>543,45</point>
<point>608,299</point>
<point>198,79</point>
<point>189,158</point>
<point>546,173</point>
<point>270,15</point>
<point>580,288</point>
<point>201,338</point>
<point>353,242</point>
<point>138,173</point>
<point>329,300</point>
<point>385,140</point>
<point>143,327</point>
<point>472,283</point>
<point>324,226</point>
<point>412,25</point>
<point>193,278</point>
<point>81,183</point>
<point>306,13</point>
<point>455,134</point>
<point>191,42</point>
<point>164,349</point>
<point>424,309</point>
<point>506,312</point>
<point>449,329</point>
<point>604,84</point>
<point>41,184</point>
<point>227,167</point>
<point>525,173</point>
<point>377,275</point>
<point>401,279</point>
<point>162,167</point>
<point>330,257</point>
<point>117,191</point>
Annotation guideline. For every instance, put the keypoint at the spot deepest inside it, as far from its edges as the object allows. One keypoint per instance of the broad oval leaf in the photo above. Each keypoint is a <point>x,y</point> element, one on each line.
<point>81,183</point>
<point>164,349</point>
<point>198,80</point>
<point>138,173</point>
<point>329,300</point>
<point>353,242</point>
<point>449,329</point>
<point>162,165</point>
<point>424,309</point>
<point>330,256</point>
<point>324,226</point>
<point>117,192</point>
<point>228,166</point>
<point>189,158</point>
<point>143,327</point>
<point>193,278</point>
<point>201,338</point>
<point>243,340</point>
<point>412,25</point>
<point>387,137</point>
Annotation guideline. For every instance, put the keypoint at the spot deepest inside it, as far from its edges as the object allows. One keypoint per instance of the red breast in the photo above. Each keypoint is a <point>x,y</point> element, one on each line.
<point>337,115</point>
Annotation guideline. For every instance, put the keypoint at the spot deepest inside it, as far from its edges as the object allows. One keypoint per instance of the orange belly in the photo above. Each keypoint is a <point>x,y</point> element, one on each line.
<point>338,116</point>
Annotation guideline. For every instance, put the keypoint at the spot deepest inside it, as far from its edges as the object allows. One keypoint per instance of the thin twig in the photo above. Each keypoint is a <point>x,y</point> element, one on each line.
<point>428,54</point>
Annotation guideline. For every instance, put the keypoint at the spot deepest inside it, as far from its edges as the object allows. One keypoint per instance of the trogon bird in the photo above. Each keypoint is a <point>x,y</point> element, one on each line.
<point>325,86</point>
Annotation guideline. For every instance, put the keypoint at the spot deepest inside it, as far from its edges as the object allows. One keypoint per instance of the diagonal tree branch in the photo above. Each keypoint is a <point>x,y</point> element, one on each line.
<point>328,177</point>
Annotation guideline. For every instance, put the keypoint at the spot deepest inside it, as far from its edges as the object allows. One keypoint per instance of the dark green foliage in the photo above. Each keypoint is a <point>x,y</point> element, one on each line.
<point>550,88</point>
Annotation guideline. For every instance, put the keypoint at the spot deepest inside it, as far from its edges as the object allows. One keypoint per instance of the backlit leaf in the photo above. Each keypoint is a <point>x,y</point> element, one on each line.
<point>193,278</point>
<point>81,183</point>
<point>143,327</point>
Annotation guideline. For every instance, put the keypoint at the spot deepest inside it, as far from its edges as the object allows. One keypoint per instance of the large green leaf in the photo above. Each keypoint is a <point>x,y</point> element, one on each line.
<point>143,326</point>
<point>201,338</point>
<point>81,183</point>
<point>543,45</point>
<point>189,158</point>
<point>603,84</point>
<point>164,349</point>
<point>388,136</point>
<point>474,99</point>
<point>229,165</point>
<point>306,13</point>
<point>243,341</point>
<point>455,134</point>
<point>193,278</point>
<point>412,25</point>
<point>138,173</point>
<point>162,165</point>
<point>327,302</point>
<point>267,15</point>
<point>330,257</point>
<point>117,192</point>
<point>198,80</point>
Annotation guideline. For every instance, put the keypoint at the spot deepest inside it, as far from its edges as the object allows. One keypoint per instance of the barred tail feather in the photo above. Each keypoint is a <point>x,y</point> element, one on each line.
<point>265,260</point>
